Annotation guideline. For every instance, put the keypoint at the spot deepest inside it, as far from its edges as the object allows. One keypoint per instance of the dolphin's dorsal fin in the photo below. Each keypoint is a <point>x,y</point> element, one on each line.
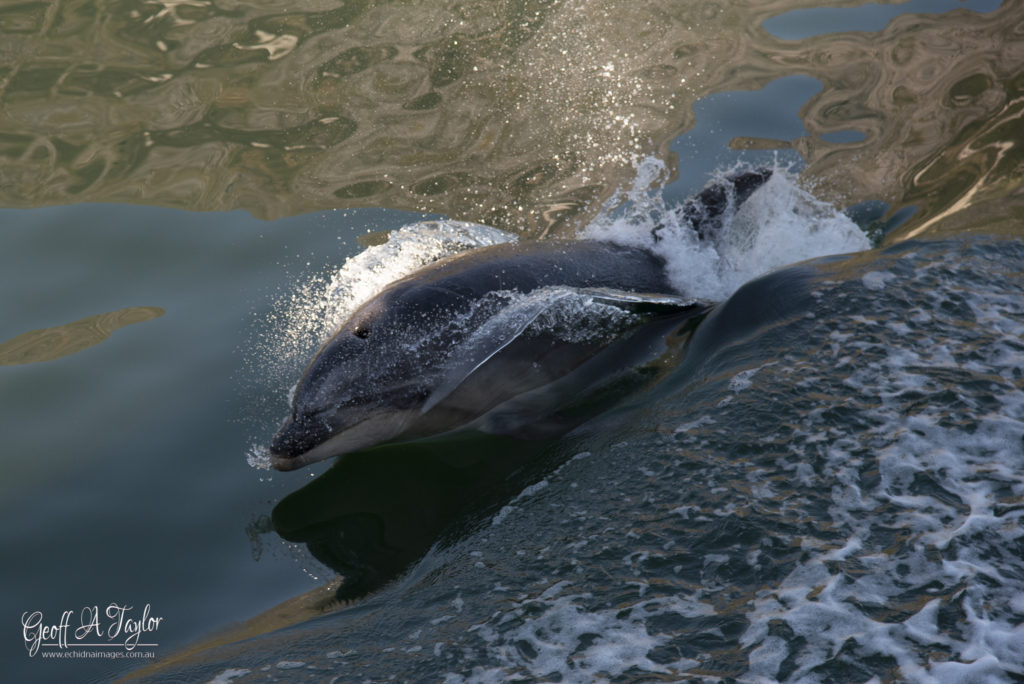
<point>508,325</point>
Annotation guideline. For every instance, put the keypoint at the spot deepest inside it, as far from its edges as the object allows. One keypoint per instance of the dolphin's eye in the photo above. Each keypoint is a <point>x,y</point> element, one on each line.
<point>361,332</point>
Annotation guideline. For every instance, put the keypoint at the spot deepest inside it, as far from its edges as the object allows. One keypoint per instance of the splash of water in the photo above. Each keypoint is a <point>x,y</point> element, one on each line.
<point>780,224</point>
<point>407,249</point>
<point>258,457</point>
<point>305,317</point>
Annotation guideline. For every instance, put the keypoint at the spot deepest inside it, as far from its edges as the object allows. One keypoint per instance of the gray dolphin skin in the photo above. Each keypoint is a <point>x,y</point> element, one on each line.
<point>376,379</point>
<point>457,344</point>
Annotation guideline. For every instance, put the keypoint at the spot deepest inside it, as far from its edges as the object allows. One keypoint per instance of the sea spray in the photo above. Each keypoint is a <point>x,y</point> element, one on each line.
<point>778,225</point>
<point>306,316</point>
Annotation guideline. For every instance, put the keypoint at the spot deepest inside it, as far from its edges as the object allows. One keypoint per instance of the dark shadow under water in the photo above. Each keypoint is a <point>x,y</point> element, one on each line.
<point>375,513</point>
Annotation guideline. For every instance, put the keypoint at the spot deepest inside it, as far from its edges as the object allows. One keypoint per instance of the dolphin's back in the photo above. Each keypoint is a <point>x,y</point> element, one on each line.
<point>527,266</point>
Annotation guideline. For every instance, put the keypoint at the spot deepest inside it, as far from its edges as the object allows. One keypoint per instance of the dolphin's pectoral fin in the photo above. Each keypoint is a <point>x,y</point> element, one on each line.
<point>509,325</point>
<point>496,334</point>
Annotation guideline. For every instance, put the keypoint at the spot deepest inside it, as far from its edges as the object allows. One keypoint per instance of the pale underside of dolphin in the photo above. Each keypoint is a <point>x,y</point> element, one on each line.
<point>495,339</point>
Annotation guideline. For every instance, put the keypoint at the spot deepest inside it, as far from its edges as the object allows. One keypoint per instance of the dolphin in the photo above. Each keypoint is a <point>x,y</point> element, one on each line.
<point>493,339</point>
<point>444,346</point>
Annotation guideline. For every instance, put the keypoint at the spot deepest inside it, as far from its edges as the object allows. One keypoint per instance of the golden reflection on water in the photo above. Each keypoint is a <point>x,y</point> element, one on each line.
<point>940,99</point>
<point>63,340</point>
<point>519,113</point>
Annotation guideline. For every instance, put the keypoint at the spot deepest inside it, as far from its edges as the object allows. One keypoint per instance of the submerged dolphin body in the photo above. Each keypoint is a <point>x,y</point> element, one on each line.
<point>472,341</point>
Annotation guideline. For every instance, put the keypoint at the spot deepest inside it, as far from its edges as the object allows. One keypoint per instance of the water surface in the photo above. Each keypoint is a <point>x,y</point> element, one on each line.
<point>824,486</point>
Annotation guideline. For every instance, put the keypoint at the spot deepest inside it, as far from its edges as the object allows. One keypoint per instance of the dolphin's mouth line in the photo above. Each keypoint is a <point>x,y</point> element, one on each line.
<point>286,463</point>
<point>376,427</point>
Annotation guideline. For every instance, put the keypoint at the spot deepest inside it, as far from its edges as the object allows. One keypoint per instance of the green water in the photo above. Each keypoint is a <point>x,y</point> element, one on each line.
<point>126,478</point>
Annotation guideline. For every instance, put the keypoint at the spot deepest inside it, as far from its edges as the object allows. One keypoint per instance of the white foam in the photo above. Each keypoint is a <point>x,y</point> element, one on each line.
<point>407,249</point>
<point>565,639</point>
<point>779,224</point>
<point>742,380</point>
<point>258,457</point>
<point>290,664</point>
<point>229,674</point>
<point>877,280</point>
<point>305,317</point>
<point>764,661</point>
<point>970,455</point>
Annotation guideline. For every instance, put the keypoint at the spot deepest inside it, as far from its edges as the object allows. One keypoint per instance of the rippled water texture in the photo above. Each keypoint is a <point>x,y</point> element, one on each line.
<point>820,481</point>
<point>517,113</point>
<point>827,489</point>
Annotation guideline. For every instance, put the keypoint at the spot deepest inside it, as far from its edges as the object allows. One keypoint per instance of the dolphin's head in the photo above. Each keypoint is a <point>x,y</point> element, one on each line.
<point>369,381</point>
